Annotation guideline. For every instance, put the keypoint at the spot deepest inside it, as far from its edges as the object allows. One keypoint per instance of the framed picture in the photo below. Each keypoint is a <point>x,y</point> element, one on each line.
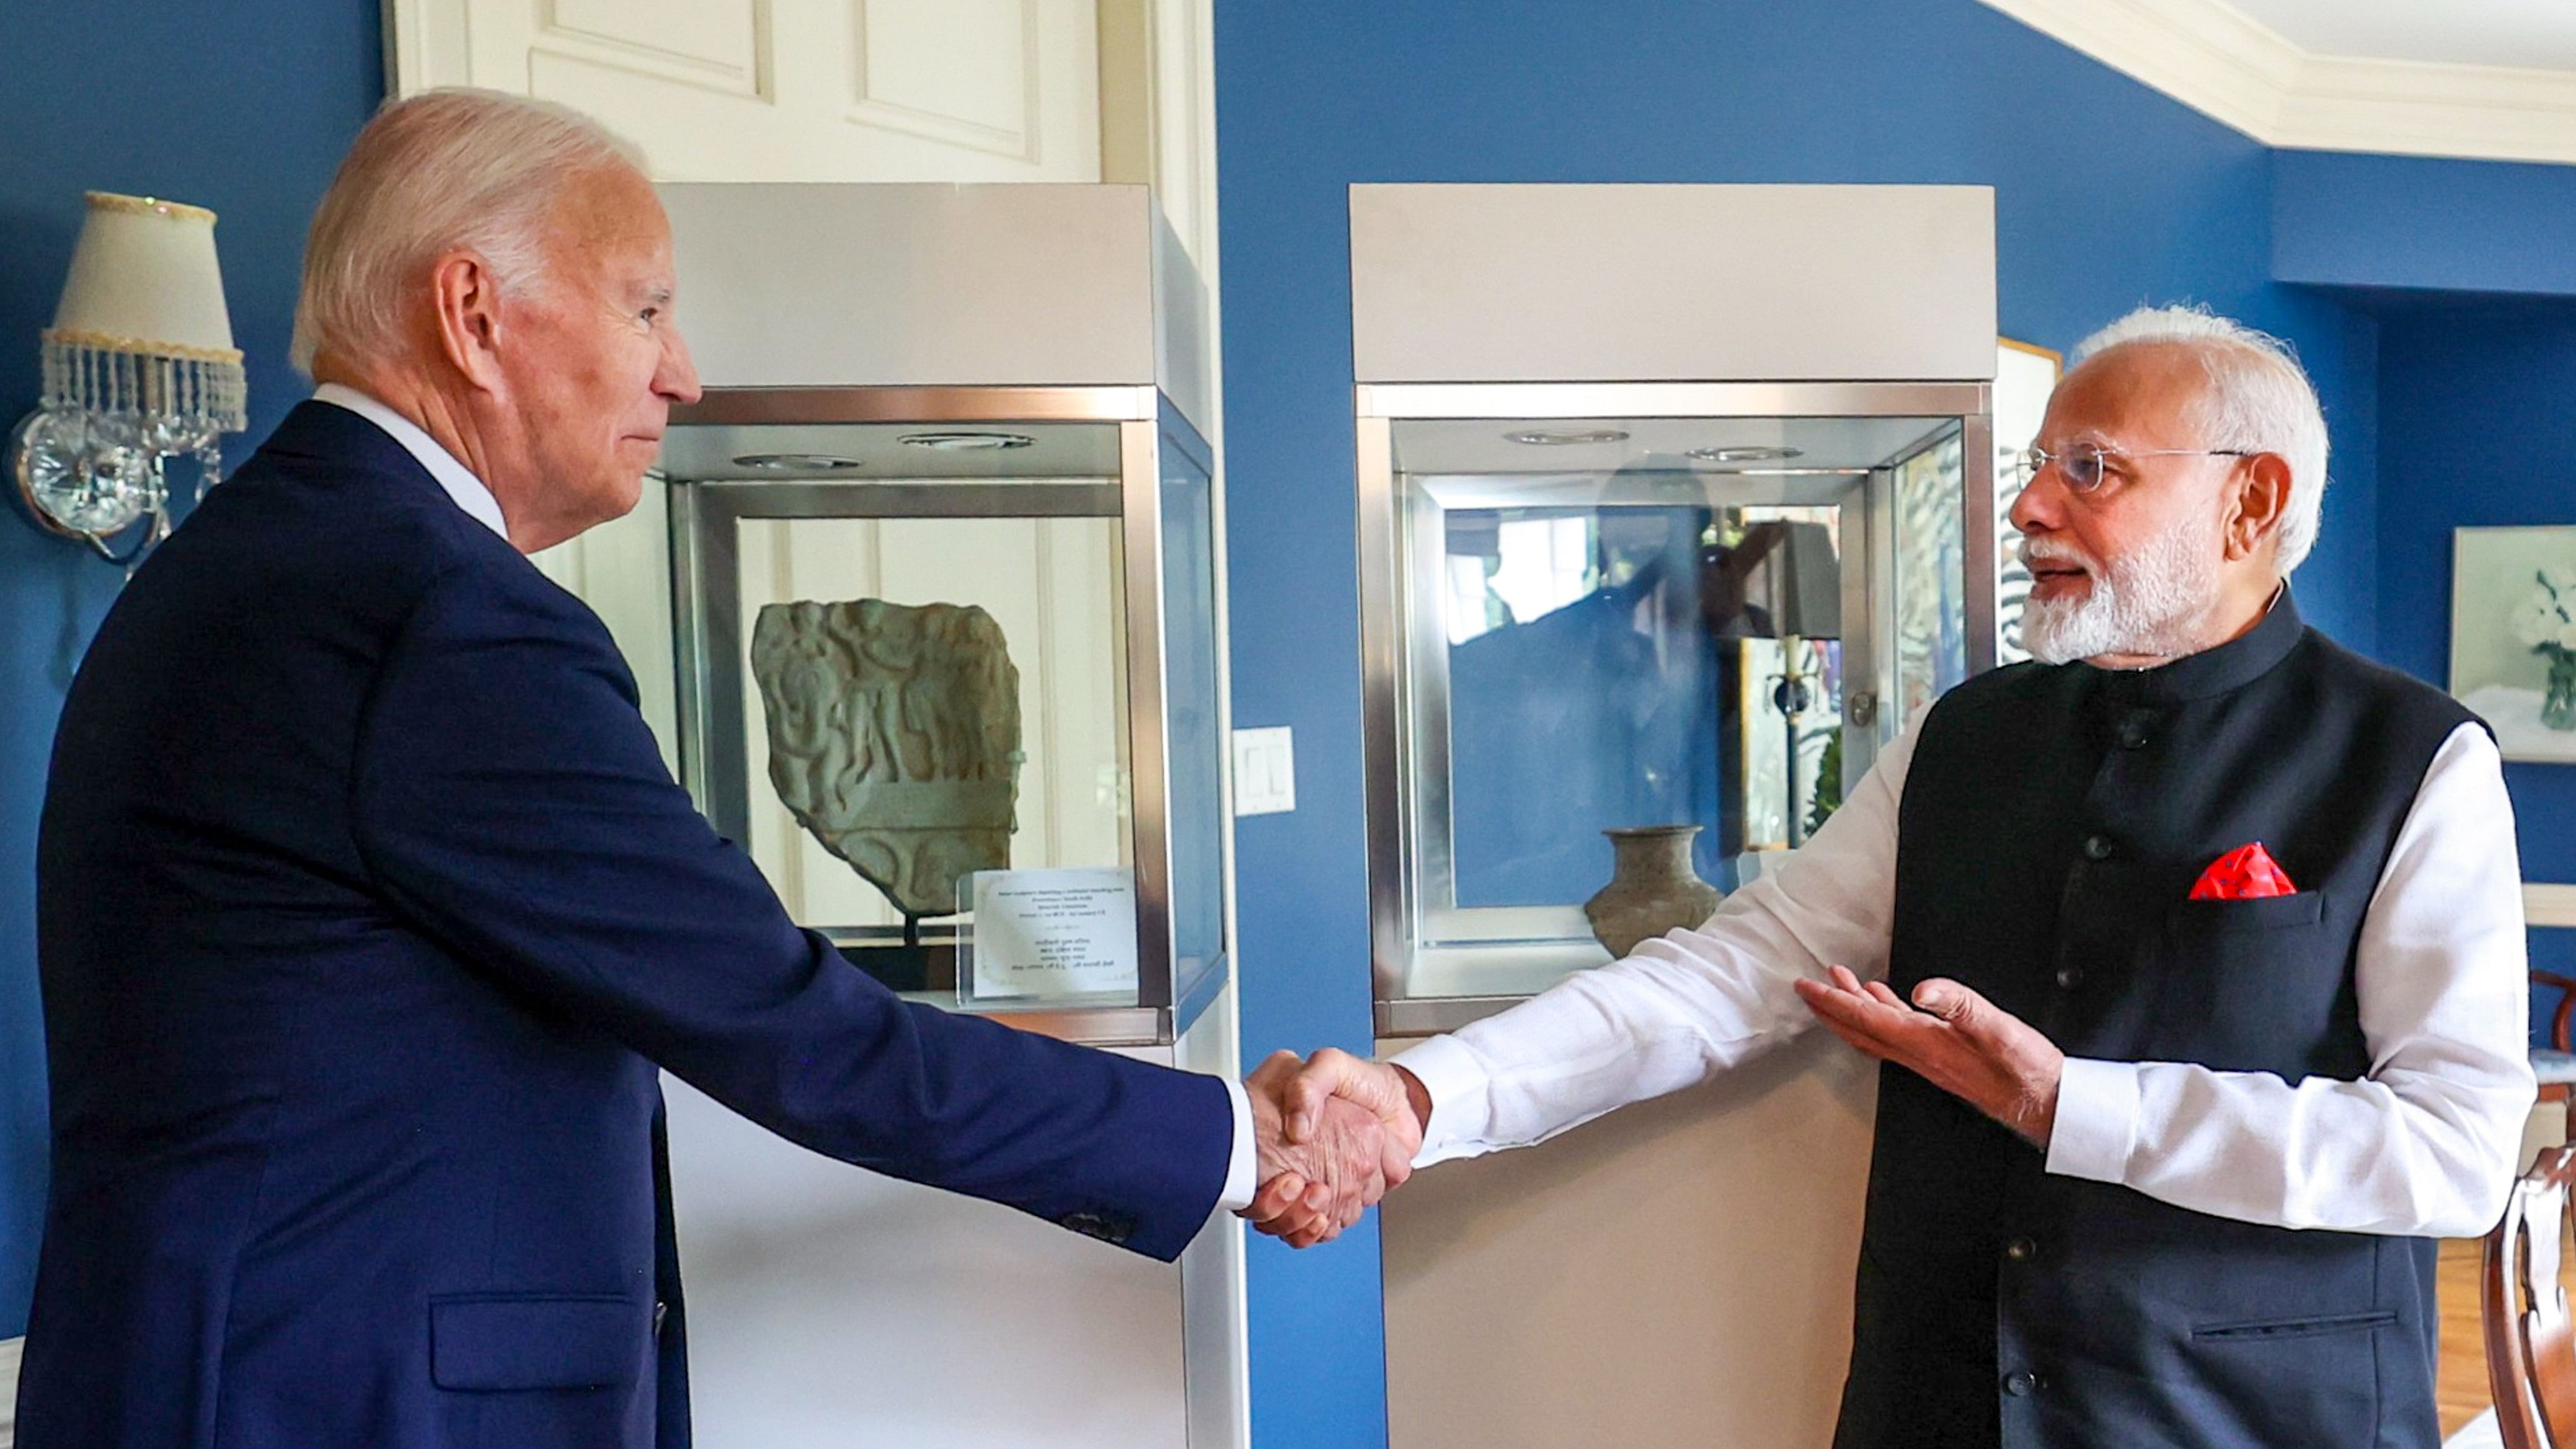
<point>2024,377</point>
<point>2513,636</point>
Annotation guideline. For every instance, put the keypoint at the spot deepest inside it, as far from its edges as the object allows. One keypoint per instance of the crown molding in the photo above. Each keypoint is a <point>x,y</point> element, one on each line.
<point>2207,54</point>
<point>2222,62</point>
<point>2483,112</point>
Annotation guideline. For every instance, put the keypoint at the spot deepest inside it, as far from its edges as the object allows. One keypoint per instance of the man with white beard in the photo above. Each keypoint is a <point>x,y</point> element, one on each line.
<point>2194,950</point>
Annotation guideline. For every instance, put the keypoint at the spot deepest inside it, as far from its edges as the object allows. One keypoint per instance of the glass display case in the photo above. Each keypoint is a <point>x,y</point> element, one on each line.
<point>949,674</point>
<point>1610,606</point>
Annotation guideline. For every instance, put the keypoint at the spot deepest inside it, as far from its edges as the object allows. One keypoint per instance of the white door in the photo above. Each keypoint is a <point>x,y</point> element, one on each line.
<point>769,90</point>
<point>789,90</point>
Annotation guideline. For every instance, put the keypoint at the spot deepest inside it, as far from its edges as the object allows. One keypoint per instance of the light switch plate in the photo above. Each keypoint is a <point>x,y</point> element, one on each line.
<point>1265,771</point>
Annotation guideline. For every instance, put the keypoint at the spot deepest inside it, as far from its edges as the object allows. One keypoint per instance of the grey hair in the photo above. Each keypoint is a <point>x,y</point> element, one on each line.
<point>432,173</point>
<point>2258,399</point>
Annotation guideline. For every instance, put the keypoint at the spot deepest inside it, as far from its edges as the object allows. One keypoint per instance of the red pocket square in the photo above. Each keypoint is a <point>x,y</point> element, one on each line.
<point>2244,873</point>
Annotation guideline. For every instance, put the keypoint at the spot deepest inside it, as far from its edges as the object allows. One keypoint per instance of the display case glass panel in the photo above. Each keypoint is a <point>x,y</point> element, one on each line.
<point>912,692</point>
<point>1196,808</point>
<point>1931,576</point>
<point>1588,623</point>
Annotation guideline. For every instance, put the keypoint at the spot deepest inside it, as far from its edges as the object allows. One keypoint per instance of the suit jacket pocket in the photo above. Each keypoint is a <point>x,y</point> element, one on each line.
<point>2297,1327</point>
<point>2257,985</point>
<point>503,1341</point>
<point>2310,1380</point>
<point>2253,913</point>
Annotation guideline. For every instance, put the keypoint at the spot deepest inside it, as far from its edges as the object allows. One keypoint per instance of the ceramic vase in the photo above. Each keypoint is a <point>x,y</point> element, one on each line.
<point>2558,709</point>
<point>1652,888</point>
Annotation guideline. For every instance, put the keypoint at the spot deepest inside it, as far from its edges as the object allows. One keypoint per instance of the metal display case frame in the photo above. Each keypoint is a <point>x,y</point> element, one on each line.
<point>708,614</point>
<point>1408,796</point>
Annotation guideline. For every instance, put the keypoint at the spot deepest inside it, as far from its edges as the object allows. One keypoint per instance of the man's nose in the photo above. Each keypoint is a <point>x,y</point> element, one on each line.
<point>677,377</point>
<point>2036,506</point>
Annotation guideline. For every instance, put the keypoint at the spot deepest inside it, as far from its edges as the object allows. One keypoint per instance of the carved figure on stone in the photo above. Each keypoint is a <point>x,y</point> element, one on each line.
<point>894,736</point>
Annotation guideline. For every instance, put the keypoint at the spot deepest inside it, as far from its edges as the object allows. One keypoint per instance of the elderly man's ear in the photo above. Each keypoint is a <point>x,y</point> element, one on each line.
<point>468,302</point>
<point>2262,503</point>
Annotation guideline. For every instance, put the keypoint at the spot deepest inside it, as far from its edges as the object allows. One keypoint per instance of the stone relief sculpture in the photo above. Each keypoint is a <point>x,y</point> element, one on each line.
<point>894,736</point>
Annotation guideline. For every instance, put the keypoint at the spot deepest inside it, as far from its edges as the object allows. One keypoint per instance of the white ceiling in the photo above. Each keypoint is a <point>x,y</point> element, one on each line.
<point>2523,33</point>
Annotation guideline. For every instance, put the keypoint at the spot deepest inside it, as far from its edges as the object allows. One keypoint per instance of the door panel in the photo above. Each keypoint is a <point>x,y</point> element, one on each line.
<point>791,90</point>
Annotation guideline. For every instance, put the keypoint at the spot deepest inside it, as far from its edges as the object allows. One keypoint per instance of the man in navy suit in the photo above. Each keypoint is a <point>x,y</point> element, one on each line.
<point>368,911</point>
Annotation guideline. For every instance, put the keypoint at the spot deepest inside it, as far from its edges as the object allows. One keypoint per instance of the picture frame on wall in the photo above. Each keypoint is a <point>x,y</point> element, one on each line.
<point>2025,375</point>
<point>2513,636</point>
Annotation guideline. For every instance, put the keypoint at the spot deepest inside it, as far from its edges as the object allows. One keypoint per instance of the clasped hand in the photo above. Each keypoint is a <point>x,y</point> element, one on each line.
<point>1332,1135</point>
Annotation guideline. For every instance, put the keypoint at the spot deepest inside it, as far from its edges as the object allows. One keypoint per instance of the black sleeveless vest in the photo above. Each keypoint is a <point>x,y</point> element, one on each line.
<point>2052,826</point>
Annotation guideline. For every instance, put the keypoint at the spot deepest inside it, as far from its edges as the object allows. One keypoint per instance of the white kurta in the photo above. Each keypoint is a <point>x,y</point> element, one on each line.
<point>2423,1144</point>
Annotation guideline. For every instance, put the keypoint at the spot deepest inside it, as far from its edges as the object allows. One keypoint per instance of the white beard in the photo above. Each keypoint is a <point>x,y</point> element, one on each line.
<point>2142,604</point>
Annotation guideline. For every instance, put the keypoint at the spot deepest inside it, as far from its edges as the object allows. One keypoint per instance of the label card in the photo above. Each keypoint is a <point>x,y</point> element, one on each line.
<point>1041,934</point>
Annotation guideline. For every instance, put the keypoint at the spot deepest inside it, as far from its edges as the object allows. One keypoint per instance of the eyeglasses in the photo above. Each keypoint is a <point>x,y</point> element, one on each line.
<point>2081,463</point>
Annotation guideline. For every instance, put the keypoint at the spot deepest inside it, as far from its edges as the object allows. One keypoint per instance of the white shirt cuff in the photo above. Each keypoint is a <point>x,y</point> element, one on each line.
<point>1455,1080</point>
<point>2097,1120</point>
<point>1239,1173</point>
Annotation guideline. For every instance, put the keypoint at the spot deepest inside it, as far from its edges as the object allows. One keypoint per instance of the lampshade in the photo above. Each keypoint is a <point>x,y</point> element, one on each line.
<point>141,332</point>
<point>144,279</point>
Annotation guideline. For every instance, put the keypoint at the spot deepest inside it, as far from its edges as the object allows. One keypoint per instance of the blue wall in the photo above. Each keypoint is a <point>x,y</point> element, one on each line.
<point>2414,222</point>
<point>2108,195</point>
<point>245,111</point>
<point>2477,429</point>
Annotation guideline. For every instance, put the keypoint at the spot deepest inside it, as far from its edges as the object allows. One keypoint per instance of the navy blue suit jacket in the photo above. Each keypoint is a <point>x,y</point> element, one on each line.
<point>367,911</point>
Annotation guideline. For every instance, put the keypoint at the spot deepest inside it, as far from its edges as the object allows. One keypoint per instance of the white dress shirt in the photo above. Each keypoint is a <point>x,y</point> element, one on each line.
<point>455,477</point>
<point>477,501</point>
<point>2424,1144</point>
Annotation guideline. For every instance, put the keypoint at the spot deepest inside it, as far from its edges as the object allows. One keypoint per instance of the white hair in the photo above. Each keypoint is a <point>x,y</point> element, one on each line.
<point>442,170</point>
<point>2258,399</point>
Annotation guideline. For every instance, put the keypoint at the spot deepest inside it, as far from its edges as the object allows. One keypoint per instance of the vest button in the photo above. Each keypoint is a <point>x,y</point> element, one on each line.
<point>2097,847</point>
<point>2018,1384</point>
<point>2069,977</point>
<point>2133,733</point>
<point>2020,1250</point>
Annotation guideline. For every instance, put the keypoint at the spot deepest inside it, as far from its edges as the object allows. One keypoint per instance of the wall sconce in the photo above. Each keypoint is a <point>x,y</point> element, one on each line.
<point>139,368</point>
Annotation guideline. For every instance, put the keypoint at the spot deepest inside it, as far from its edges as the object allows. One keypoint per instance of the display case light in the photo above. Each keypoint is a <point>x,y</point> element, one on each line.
<point>1746,453</point>
<point>967,442</point>
<point>1566,437</point>
<point>797,462</point>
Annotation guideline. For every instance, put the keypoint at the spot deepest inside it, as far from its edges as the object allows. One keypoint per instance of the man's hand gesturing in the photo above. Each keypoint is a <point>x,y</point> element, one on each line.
<point>1954,1039</point>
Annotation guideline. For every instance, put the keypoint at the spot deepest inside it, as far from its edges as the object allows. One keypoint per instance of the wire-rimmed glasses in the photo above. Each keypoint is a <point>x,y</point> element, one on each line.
<point>2081,465</point>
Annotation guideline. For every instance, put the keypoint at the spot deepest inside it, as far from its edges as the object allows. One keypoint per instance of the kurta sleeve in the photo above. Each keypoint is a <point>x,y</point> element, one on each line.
<point>1681,1008</point>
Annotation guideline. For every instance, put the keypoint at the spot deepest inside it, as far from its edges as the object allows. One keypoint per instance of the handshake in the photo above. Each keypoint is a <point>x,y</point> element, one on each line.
<point>1332,1134</point>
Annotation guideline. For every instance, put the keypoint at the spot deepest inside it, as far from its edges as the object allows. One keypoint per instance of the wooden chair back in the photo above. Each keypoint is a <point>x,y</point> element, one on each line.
<point>2531,1340</point>
<point>2564,1016</point>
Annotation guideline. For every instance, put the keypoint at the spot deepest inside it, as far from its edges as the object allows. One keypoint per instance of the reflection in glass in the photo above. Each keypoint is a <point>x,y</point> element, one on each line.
<point>1661,625</point>
<point>1620,666</point>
